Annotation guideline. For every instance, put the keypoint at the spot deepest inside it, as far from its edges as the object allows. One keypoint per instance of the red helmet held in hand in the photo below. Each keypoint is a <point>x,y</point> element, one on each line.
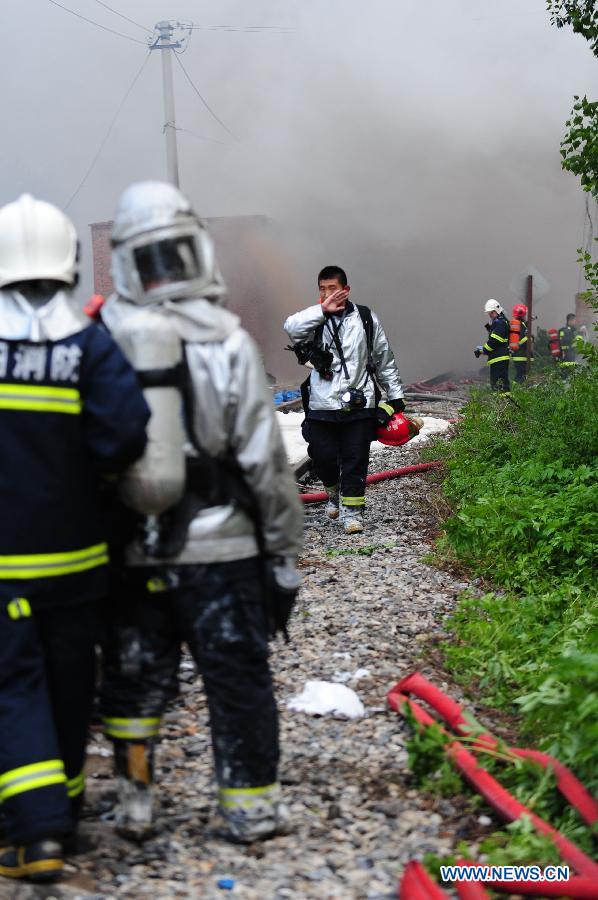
<point>398,430</point>
<point>520,311</point>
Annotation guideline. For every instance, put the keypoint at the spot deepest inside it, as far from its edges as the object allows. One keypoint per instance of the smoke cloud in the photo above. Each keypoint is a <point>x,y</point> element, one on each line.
<point>416,145</point>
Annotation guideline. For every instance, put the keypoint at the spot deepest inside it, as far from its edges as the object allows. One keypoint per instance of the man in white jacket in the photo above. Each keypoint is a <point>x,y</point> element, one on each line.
<point>352,359</point>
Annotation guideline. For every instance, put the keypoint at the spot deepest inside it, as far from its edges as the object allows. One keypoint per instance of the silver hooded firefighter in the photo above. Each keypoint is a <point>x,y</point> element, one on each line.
<point>163,261</point>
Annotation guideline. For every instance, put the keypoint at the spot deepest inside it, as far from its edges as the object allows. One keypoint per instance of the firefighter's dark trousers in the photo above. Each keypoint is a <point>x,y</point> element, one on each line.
<point>499,376</point>
<point>47,668</point>
<point>341,453</point>
<point>520,370</point>
<point>218,611</point>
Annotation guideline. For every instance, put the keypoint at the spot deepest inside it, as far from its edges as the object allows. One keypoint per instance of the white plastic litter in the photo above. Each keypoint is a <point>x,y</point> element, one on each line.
<point>431,426</point>
<point>343,676</point>
<point>359,673</point>
<point>321,698</point>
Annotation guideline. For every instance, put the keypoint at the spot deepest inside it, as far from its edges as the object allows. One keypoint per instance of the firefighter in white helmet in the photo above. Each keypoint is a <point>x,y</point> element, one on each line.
<point>214,561</point>
<point>71,412</point>
<point>496,347</point>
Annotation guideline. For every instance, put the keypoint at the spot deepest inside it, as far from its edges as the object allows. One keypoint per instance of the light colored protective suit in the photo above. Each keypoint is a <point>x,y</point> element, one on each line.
<point>325,395</point>
<point>232,411</point>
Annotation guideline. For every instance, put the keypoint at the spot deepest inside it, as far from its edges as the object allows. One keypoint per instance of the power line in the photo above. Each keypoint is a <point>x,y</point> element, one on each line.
<point>200,137</point>
<point>273,29</point>
<point>126,18</point>
<point>203,100</point>
<point>108,132</point>
<point>97,24</point>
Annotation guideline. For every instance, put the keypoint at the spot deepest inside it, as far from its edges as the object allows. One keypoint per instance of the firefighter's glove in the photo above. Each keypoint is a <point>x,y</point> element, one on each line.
<point>282,585</point>
<point>487,326</point>
<point>478,351</point>
<point>384,413</point>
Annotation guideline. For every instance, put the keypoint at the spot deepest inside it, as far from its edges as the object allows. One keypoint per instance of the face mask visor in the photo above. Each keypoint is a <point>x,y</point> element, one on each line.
<point>174,260</point>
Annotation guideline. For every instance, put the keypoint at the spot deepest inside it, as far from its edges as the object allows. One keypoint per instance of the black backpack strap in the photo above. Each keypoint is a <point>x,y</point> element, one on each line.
<point>368,326</point>
<point>305,391</point>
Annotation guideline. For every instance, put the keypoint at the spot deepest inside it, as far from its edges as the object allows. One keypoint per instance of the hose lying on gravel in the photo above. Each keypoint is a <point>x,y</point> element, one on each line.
<point>502,801</point>
<point>320,496</point>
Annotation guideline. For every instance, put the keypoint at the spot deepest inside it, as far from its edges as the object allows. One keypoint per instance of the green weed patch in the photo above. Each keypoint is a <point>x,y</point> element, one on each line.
<point>523,491</point>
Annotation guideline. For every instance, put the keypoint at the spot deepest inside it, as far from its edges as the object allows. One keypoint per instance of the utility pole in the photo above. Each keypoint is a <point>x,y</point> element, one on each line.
<point>166,44</point>
<point>529,299</point>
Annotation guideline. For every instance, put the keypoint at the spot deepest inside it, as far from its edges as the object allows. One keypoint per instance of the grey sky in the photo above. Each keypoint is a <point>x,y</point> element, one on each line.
<point>417,144</point>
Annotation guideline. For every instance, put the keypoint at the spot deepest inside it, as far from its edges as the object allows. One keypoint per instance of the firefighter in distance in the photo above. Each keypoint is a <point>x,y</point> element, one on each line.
<point>518,341</point>
<point>496,347</point>
<point>352,359</point>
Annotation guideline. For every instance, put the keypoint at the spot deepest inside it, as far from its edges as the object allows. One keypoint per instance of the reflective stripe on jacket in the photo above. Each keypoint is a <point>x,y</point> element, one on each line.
<point>567,337</point>
<point>521,355</point>
<point>496,347</point>
<point>71,410</point>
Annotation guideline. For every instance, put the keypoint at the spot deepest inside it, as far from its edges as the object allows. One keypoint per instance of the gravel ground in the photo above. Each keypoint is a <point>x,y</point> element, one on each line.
<point>357,819</point>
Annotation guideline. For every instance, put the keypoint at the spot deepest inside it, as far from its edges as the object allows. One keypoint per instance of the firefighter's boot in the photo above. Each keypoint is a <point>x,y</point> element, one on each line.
<point>134,767</point>
<point>254,813</point>
<point>353,519</point>
<point>40,861</point>
<point>332,502</point>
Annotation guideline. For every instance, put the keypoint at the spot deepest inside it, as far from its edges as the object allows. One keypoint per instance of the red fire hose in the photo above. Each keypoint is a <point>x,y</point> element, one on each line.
<point>583,886</point>
<point>320,496</point>
<point>568,785</point>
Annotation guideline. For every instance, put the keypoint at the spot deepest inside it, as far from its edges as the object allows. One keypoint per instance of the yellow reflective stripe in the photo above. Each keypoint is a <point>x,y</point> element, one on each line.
<point>131,729</point>
<point>523,340</point>
<point>28,778</point>
<point>498,359</point>
<point>387,408</point>
<point>39,390</point>
<point>497,337</point>
<point>40,398</point>
<point>519,358</point>
<point>76,785</point>
<point>353,501</point>
<point>42,565</point>
<point>19,608</point>
<point>245,797</point>
<point>24,870</point>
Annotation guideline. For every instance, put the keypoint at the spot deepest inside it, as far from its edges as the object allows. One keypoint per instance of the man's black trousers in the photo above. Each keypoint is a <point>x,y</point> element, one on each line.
<point>340,452</point>
<point>218,611</point>
<point>47,674</point>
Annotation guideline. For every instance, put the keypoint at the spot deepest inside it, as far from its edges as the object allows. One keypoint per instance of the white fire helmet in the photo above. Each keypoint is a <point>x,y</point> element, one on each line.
<point>493,306</point>
<point>37,242</point>
<point>161,250</point>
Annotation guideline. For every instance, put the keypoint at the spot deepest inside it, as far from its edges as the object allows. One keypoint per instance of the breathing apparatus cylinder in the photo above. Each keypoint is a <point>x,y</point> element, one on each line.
<point>514,334</point>
<point>554,343</point>
<point>156,481</point>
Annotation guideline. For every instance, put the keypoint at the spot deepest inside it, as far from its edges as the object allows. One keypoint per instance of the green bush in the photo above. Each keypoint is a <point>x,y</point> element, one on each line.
<point>521,481</point>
